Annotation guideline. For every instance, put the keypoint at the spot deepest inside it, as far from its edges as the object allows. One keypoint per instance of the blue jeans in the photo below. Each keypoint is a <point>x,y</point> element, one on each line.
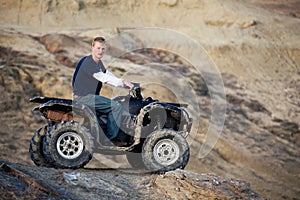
<point>103,105</point>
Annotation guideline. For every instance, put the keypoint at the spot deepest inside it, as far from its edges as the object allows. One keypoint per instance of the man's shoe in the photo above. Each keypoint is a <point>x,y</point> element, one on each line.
<point>119,143</point>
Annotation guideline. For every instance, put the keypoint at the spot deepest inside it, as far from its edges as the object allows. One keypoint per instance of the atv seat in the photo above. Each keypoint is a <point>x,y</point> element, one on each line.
<point>40,99</point>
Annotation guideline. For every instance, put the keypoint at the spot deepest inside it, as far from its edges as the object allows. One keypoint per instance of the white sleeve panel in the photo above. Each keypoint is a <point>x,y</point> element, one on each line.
<point>108,78</point>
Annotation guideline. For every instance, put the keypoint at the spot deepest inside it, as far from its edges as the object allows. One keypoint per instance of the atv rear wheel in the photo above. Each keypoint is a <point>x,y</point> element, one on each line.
<point>69,145</point>
<point>36,148</point>
<point>165,150</point>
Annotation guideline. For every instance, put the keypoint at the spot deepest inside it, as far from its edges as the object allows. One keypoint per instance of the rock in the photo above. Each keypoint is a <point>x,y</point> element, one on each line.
<point>181,184</point>
<point>65,60</point>
<point>75,5</point>
<point>286,130</point>
<point>64,47</point>
<point>169,3</point>
<point>114,184</point>
<point>56,43</point>
<point>248,24</point>
<point>296,137</point>
<point>96,3</point>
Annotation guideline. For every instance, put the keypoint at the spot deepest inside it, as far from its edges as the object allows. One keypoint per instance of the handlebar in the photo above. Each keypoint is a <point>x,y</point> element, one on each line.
<point>136,91</point>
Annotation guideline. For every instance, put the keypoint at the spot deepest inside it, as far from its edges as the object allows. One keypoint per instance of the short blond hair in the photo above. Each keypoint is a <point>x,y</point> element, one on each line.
<point>98,39</point>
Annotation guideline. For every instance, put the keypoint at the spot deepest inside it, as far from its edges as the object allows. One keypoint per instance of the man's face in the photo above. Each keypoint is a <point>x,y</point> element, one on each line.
<point>98,50</point>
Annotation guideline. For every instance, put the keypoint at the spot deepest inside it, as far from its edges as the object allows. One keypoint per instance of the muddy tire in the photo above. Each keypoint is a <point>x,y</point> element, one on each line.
<point>68,145</point>
<point>165,150</point>
<point>36,148</point>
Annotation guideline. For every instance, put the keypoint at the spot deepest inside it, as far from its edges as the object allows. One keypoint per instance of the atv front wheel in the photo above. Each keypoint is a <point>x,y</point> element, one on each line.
<point>69,145</point>
<point>165,150</point>
<point>36,148</point>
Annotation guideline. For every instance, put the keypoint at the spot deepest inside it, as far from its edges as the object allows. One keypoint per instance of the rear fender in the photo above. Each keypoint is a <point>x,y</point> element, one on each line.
<point>41,100</point>
<point>57,110</point>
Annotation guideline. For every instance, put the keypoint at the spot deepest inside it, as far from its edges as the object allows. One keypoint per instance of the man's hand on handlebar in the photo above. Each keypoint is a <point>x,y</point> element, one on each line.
<point>127,85</point>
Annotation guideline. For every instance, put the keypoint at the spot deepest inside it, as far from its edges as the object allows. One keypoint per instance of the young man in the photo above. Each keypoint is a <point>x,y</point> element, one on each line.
<point>88,78</point>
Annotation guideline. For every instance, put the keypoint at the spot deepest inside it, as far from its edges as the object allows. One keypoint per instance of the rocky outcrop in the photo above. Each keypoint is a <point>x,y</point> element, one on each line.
<point>42,183</point>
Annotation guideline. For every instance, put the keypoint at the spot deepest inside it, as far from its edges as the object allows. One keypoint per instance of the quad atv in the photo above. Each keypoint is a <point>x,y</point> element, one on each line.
<point>156,142</point>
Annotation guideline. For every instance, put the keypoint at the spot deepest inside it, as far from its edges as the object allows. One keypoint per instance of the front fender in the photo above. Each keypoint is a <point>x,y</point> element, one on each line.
<point>172,116</point>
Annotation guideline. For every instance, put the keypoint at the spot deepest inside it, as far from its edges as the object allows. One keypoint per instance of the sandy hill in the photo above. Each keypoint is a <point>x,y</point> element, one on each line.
<point>255,46</point>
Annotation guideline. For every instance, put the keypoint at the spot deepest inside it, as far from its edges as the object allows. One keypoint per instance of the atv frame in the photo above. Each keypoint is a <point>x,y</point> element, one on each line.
<point>74,133</point>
